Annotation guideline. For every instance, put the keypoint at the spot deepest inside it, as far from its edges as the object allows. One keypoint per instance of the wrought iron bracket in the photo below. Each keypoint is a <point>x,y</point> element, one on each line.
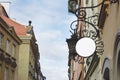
<point>89,28</point>
<point>81,11</point>
<point>93,32</point>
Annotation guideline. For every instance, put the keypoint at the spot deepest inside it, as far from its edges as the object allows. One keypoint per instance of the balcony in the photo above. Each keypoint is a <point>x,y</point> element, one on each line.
<point>14,65</point>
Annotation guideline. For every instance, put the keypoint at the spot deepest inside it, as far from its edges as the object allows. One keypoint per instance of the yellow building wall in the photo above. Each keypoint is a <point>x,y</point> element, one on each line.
<point>23,67</point>
<point>111,28</point>
<point>26,67</point>
<point>11,37</point>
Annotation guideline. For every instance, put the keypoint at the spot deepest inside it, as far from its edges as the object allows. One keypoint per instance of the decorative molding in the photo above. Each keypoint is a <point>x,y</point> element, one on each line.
<point>14,64</point>
<point>8,60</point>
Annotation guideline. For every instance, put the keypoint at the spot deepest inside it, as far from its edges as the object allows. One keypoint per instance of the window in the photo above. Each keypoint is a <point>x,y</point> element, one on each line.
<point>92,4</point>
<point>5,73</point>
<point>12,75</point>
<point>106,69</point>
<point>114,1</point>
<point>118,65</point>
<point>106,74</point>
<point>87,1</point>
<point>7,46</point>
<point>0,72</point>
<point>13,50</point>
<point>1,36</point>
<point>116,58</point>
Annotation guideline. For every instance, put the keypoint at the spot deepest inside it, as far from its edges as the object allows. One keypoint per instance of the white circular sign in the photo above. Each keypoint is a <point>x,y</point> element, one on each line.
<point>85,47</point>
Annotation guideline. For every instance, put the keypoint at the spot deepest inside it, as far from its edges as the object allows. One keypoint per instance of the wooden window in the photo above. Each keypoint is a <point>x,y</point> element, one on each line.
<point>1,38</point>
<point>0,72</point>
<point>7,46</point>
<point>13,50</point>
<point>6,73</point>
<point>87,1</point>
<point>106,75</point>
<point>12,75</point>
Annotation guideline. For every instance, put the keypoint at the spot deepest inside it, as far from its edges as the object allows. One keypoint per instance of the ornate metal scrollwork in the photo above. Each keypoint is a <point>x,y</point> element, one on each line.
<point>89,28</point>
<point>81,11</point>
<point>79,59</point>
<point>91,31</point>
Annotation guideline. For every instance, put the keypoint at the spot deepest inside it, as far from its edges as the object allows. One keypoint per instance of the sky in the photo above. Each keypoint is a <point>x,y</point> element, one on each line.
<point>50,21</point>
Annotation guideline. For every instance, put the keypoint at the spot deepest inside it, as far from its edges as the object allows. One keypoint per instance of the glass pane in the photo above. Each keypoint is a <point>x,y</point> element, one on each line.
<point>5,73</point>
<point>1,36</point>
<point>12,75</point>
<point>7,46</point>
<point>13,50</point>
<point>0,72</point>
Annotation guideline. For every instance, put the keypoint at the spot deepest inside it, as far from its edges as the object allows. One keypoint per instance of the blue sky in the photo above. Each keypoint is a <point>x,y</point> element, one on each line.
<point>50,20</point>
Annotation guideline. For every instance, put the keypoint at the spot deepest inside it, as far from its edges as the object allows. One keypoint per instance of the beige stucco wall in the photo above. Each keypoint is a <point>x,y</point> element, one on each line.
<point>111,28</point>
<point>26,66</point>
<point>23,67</point>
<point>4,29</point>
<point>109,31</point>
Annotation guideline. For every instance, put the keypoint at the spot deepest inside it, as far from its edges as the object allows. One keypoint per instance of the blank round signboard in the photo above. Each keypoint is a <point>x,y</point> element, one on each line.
<point>85,47</point>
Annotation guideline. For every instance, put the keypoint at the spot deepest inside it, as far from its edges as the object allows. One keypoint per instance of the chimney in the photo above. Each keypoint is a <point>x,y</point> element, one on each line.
<point>30,23</point>
<point>30,27</point>
<point>6,5</point>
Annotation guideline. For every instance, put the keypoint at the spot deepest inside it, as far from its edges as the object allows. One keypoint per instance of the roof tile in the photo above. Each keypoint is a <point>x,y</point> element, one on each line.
<point>19,29</point>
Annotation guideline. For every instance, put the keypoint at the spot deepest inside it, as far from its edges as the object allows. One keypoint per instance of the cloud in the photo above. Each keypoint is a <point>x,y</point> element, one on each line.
<point>52,45</point>
<point>54,55</point>
<point>55,73</point>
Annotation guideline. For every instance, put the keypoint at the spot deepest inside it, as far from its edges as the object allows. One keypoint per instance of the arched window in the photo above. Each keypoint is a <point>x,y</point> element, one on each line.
<point>118,66</point>
<point>106,69</point>
<point>106,75</point>
<point>116,58</point>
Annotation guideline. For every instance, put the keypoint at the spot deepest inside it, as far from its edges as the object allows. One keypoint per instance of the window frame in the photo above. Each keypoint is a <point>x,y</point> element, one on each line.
<point>12,75</point>
<point>6,73</point>
<point>1,39</point>
<point>7,45</point>
<point>13,50</point>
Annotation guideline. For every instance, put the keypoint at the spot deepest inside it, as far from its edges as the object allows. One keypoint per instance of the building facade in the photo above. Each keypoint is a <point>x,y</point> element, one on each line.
<point>109,24</point>
<point>28,51</point>
<point>9,49</point>
<point>19,50</point>
<point>75,63</point>
<point>107,65</point>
